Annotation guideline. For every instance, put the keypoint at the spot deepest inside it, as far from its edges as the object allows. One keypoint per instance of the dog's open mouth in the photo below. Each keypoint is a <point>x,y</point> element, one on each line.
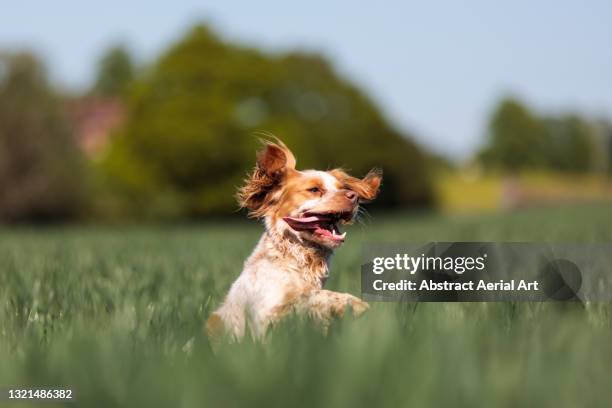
<point>322,224</point>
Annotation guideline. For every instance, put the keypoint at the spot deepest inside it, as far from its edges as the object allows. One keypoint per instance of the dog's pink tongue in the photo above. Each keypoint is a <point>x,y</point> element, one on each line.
<point>305,223</point>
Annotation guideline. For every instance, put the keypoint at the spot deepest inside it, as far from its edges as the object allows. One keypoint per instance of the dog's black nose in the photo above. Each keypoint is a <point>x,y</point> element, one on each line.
<point>351,195</point>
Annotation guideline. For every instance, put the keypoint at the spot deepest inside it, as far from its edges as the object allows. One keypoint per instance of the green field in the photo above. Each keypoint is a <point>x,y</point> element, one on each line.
<point>116,314</point>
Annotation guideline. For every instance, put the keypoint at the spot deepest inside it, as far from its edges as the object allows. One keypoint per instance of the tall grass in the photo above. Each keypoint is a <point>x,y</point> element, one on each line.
<point>116,314</point>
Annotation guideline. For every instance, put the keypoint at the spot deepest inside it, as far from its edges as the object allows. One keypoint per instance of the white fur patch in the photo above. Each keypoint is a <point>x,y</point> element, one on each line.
<point>329,182</point>
<point>329,185</point>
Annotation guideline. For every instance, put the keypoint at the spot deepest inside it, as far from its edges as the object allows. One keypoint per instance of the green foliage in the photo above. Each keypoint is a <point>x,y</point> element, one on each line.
<point>115,72</point>
<point>192,118</point>
<point>519,139</point>
<point>605,154</point>
<point>40,167</point>
<point>571,143</point>
<point>116,314</point>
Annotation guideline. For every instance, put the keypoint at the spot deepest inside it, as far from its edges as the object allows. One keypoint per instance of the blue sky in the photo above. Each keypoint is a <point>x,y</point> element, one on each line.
<point>435,68</point>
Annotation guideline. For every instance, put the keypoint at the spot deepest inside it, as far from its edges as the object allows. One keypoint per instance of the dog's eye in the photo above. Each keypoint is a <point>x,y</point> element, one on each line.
<point>314,190</point>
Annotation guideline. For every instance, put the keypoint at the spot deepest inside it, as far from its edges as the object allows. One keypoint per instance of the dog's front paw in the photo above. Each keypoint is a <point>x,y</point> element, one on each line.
<point>358,306</point>
<point>325,305</point>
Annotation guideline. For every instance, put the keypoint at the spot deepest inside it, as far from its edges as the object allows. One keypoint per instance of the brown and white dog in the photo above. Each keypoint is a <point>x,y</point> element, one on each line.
<point>288,268</point>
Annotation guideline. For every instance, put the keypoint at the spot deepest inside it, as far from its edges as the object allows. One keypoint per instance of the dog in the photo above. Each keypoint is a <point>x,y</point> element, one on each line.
<point>302,211</point>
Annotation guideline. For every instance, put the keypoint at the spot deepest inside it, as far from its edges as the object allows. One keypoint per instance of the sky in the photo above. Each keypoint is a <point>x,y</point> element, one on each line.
<point>436,69</point>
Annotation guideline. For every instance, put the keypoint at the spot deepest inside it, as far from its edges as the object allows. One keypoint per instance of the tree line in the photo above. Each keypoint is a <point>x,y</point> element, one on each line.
<point>520,139</point>
<point>191,127</point>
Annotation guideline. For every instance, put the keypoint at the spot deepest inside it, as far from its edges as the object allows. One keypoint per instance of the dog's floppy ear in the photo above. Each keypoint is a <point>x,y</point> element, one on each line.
<point>367,188</point>
<point>273,163</point>
<point>275,157</point>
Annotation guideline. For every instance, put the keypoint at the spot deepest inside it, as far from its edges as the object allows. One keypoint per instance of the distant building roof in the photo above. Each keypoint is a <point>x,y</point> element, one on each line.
<point>94,118</point>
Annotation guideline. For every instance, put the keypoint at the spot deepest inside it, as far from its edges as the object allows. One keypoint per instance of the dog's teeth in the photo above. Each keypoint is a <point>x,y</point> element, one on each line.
<point>343,235</point>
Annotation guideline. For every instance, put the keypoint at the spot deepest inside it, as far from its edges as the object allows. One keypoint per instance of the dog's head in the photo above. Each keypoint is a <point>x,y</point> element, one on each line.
<point>309,204</point>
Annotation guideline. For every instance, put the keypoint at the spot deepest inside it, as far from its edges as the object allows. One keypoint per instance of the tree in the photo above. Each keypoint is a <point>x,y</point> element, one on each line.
<point>115,72</point>
<point>517,138</point>
<point>520,139</point>
<point>40,166</point>
<point>572,146</point>
<point>189,135</point>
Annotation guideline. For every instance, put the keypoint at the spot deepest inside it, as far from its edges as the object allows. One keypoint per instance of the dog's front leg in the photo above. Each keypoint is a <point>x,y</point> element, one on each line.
<point>325,305</point>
